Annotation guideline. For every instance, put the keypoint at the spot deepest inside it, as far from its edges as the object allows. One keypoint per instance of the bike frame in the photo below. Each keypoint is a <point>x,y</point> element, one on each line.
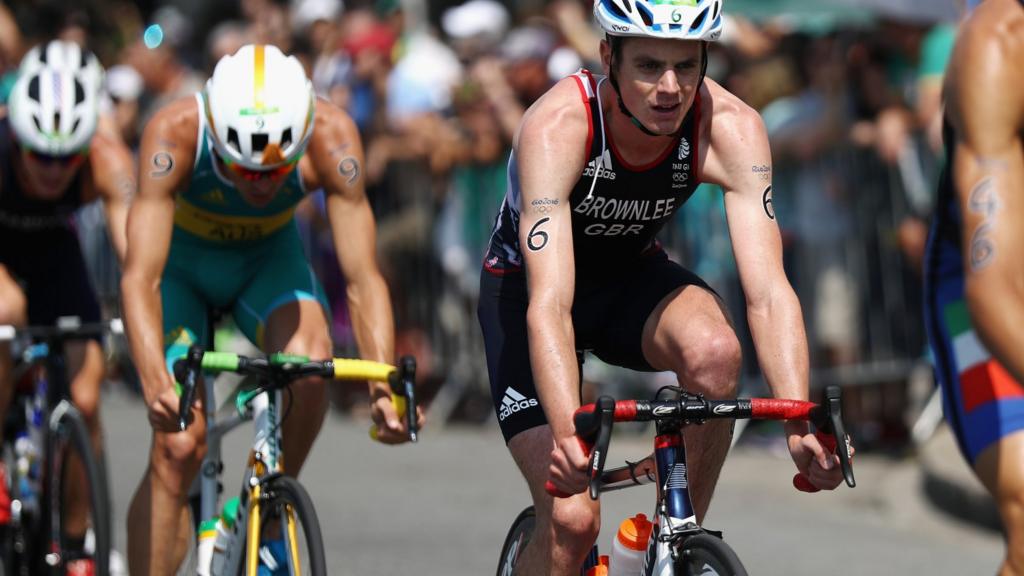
<point>264,460</point>
<point>57,408</point>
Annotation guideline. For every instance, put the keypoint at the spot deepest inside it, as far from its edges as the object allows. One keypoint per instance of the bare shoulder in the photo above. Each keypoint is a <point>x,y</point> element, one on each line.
<point>559,116</point>
<point>731,124</point>
<point>331,123</point>
<point>176,123</point>
<point>333,127</point>
<point>985,69</point>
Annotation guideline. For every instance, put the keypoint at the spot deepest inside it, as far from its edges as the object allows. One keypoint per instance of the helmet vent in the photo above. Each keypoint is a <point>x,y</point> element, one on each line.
<point>259,142</point>
<point>718,10</point>
<point>286,138</point>
<point>645,15</point>
<point>628,4</point>
<point>39,126</point>
<point>33,88</point>
<point>699,21</point>
<point>74,127</point>
<point>233,139</point>
<point>56,120</point>
<point>79,93</point>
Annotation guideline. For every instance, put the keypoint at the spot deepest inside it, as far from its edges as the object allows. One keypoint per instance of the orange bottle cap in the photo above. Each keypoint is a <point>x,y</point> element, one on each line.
<point>634,532</point>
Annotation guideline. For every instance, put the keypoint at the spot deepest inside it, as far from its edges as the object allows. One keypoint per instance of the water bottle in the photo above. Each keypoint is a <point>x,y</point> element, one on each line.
<point>25,459</point>
<point>224,538</point>
<point>630,547</point>
<point>204,552</point>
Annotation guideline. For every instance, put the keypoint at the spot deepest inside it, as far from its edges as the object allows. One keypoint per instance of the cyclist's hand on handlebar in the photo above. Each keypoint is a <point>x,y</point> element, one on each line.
<point>163,410</point>
<point>389,425</point>
<point>815,458</point>
<point>570,463</point>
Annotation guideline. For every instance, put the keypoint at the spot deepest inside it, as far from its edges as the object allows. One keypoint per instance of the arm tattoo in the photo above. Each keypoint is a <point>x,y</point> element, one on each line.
<point>537,239</point>
<point>983,200</point>
<point>764,172</point>
<point>163,164</point>
<point>349,168</point>
<point>544,205</point>
<point>766,201</point>
<point>127,188</point>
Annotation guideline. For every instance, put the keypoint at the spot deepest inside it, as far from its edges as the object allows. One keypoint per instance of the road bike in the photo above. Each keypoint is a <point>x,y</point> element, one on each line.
<point>271,506</point>
<point>44,433</point>
<point>678,545</point>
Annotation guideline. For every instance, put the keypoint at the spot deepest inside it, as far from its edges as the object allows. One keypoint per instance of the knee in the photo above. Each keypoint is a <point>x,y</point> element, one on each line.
<point>711,364</point>
<point>13,307</point>
<point>575,523</point>
<point>178,454</point>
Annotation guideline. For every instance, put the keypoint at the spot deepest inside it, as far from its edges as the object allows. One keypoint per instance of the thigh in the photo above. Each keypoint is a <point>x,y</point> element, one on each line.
<point>281,279</point>
<point>633,316</point>
<point>185,317</point>
<point>502,314</point>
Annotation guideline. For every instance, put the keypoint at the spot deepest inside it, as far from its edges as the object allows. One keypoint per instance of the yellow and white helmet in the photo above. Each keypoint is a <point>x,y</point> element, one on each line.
<point>259,108</point>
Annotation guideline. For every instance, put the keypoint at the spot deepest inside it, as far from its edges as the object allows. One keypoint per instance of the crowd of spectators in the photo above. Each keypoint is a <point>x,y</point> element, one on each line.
<point>852,108</point>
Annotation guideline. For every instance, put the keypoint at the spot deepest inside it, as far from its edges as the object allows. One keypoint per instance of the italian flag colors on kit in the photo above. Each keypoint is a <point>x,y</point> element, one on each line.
<point>982,378</point>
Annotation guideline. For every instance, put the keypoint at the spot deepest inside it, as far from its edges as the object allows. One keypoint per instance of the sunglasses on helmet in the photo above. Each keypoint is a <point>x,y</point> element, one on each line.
<point>63,160</point>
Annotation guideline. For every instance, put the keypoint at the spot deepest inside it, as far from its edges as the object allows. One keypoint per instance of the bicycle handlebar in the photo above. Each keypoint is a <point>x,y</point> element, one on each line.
<point>594,424</point>
<point>280,369</point>
<point>66,328</point>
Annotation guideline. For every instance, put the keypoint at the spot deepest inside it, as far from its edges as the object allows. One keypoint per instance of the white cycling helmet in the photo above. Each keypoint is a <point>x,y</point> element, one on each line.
<point>259,108</point>
<point>54,104</point>
<point>677,19</point>
<point>64,55</point>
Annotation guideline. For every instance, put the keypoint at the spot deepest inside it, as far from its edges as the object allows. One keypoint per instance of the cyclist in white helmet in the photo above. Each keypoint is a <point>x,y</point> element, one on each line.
<point>56,154</point>
<point>599,164</point>
<point>213,229</point>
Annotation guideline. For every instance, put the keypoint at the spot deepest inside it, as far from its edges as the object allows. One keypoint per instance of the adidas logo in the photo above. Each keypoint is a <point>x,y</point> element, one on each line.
<point>602,165</point>
<point>514,402</point>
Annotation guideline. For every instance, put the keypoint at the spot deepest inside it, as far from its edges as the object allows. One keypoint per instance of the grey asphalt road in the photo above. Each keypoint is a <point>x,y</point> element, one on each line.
<point>442,507</point>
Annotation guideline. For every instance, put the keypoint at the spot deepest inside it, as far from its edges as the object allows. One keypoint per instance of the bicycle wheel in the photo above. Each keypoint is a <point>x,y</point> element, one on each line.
<point>518,537</point>
<point>707,555</point>
<point>71,441</point>
<point>290,530</point>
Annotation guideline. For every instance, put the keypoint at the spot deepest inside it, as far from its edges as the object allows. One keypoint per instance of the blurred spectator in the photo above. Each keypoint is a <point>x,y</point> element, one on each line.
<point>124,88</point>
<point>155,57</point>
<point>225,39</point>
<point>10,52</point>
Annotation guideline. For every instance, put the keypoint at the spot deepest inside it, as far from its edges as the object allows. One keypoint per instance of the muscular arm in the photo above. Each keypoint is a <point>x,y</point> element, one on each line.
<point>337,157</point>
<point>166,156</point>
<point>548,152</point>
<point>740,161</point>
<point>986,108</point>
<point>114,179</point>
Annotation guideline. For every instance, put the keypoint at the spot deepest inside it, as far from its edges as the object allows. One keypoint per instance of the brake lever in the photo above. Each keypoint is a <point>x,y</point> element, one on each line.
<point>193,364</point>
<point>407,367</point>
<point>605,407</point>
<point>834,409</point>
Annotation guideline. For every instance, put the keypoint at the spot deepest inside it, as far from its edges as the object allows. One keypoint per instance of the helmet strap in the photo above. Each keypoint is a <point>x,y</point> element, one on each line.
<point>622,105</point>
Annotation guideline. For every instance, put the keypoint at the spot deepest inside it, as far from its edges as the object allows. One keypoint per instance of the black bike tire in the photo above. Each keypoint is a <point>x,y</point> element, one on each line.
<point>519,535</point>
<point>287,490</point>
<point>77,438</point>
<point>711,549</point>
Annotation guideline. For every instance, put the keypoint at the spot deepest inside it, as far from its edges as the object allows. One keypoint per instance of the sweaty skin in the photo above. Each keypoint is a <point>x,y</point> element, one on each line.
<point>658,80</point>
<point>985,106</point>
<point>332,161</point>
